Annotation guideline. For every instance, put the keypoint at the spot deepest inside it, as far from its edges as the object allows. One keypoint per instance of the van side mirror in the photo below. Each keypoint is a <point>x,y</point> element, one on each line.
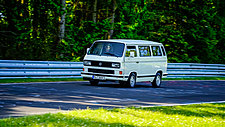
<point>88,49</point>
<point>131,54</point>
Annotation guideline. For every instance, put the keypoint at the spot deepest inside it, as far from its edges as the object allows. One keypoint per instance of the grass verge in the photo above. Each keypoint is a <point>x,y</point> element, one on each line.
<point>39,80</point>
<point>80,79</point>
<point>199,115</point>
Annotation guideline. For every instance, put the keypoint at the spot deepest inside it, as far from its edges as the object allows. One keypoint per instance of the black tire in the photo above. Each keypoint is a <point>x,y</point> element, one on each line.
<point>131,80</point>
<point>94,82</point>
<point>157,81</point>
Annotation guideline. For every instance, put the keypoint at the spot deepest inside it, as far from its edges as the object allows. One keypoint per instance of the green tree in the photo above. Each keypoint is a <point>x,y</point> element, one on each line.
<point>192,31</point>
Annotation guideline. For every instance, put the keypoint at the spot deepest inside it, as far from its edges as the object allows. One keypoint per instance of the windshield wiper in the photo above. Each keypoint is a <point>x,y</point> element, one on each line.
<point>111,54</point>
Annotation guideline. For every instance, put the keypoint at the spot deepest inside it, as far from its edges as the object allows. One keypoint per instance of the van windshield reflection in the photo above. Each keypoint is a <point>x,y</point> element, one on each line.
<point>107,49</point>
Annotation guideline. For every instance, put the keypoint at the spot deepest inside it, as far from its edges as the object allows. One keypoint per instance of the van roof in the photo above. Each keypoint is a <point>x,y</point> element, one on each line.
<point>130,41</point>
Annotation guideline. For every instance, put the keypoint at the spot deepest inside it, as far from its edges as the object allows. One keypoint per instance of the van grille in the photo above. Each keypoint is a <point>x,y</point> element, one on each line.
<point>101,64</point>
<point>101,71</point>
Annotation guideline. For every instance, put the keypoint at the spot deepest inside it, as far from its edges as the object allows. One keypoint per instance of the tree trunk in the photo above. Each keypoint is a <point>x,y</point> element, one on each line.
<point>62,21</point>
<point>113,17</point>
<point>95,11</point>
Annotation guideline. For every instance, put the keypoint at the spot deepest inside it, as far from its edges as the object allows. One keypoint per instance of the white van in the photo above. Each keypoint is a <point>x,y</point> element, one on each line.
<point>126,61</point>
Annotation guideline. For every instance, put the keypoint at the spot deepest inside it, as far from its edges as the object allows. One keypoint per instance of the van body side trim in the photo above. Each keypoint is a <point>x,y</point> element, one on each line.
<point>165,74</point>
<point>144,76</point>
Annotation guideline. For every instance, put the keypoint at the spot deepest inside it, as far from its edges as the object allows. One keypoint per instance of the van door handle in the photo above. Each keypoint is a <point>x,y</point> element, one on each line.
<point>137,62</point>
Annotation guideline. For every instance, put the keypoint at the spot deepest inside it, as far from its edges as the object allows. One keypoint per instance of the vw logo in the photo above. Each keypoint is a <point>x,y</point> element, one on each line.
<point>100,64</point>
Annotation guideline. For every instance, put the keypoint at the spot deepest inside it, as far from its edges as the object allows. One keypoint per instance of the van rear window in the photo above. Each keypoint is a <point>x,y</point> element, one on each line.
<point>163,50</point>
<point>156,51</point>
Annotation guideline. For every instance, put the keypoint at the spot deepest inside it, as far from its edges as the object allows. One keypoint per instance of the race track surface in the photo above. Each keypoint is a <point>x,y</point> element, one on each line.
<point>20,99</point>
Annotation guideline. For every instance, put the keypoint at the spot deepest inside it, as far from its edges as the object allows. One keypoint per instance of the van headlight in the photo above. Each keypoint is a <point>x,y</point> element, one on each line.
<point>116,65</point>
<point>87,63</point>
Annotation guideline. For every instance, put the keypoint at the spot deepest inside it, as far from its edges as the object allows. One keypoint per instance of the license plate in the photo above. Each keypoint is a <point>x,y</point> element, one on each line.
<point>98,77</point>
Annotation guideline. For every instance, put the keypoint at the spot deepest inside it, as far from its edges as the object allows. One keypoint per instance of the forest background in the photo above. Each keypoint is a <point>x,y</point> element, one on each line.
<point>61,30</point>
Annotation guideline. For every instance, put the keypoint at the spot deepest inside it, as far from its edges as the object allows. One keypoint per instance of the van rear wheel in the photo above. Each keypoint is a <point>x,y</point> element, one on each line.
<point>157,81</point>
<point>94,82</point>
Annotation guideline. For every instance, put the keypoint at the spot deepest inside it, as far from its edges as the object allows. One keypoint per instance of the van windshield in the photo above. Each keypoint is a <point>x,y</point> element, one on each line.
<point>107,49</point>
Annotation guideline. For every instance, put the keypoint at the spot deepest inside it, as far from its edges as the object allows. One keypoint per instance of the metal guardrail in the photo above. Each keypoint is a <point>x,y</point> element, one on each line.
<point>186,70</point>
<point>39,69</point>
<point>56,69</point>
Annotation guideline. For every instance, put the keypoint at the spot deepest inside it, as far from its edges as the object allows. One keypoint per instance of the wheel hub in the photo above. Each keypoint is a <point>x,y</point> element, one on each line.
<point>158,80</point>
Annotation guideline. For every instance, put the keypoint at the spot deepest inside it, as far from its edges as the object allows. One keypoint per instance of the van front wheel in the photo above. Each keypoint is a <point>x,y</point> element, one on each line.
<point>157,81</point>
<point>132,80</point>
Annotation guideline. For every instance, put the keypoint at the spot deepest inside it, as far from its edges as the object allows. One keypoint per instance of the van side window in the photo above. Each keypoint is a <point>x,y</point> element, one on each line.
<point>156,51</point>
<point>163,50</point>
<point>144,51</point>
<point>131,49</point>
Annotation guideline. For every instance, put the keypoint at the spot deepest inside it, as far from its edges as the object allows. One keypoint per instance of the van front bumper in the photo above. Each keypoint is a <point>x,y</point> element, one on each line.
<point>106,77</point>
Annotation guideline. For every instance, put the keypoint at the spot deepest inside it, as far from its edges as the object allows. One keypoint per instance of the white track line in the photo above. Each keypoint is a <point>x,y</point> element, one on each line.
<point>211,102</point>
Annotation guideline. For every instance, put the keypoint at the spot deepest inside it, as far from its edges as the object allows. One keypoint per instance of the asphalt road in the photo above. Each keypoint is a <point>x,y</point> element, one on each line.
<point>19,99</point>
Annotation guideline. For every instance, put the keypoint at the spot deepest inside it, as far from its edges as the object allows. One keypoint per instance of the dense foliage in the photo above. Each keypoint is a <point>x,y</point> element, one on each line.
<point>191,30</point>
